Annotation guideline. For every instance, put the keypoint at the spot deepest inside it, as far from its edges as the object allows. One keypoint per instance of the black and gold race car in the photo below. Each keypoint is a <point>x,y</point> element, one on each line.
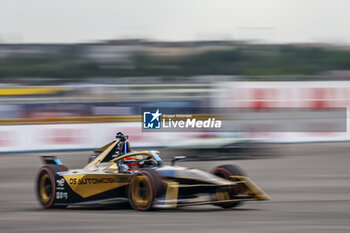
<point>143,180</point>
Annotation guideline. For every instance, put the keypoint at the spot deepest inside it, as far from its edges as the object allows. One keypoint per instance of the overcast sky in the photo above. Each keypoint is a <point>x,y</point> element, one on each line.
<point>91,20</point>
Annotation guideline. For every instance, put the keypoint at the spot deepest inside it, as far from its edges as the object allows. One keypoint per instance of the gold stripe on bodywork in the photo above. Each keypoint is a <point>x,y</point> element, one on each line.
<point>100,158</point>
<point>134,154</point>
<point>92,184</point>
<point>172,192</point>
<point>252,188</point>
<point>101,149</point>
<point>222,195</point>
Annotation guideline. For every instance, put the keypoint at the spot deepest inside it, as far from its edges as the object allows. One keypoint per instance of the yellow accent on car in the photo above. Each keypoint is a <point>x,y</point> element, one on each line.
<point>43,195</point>
<point>252,188</point>
<point>222,195</point>
<point>134,154</point>
<point>100,158</point>
<point>140,191</point>
<point>172,193</point>
<point>92,184</point>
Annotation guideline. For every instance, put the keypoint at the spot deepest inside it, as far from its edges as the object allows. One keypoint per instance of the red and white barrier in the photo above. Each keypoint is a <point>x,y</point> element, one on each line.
<point>302,94</point>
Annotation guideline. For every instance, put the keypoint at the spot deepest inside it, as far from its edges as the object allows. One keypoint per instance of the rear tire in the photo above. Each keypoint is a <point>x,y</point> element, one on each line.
<point>225,172</point>
<point>46,186</point>
<point>145,185</point>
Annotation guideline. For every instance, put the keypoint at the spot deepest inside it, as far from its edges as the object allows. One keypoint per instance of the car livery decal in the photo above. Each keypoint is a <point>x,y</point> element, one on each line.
<point>92,184</point>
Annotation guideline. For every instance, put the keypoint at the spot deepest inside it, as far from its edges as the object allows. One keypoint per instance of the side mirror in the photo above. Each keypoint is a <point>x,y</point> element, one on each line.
<point>176,158</point>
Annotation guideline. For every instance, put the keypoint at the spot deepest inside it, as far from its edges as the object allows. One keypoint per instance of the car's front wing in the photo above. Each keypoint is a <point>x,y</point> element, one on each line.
<point>221,196</point>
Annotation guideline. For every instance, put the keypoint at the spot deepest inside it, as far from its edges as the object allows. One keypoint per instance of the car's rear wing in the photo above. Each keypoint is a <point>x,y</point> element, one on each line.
<point>54,161</point>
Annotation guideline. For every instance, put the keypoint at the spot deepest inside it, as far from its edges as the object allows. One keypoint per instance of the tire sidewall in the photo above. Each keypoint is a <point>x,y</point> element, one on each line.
<point>152,191</point>
<point>51,174</point>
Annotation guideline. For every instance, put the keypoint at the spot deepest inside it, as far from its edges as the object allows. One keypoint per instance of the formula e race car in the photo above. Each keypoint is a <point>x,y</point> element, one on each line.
<point>143,180</point>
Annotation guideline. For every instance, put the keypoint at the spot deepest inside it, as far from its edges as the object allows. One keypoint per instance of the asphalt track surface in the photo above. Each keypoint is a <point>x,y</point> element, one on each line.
<point>309,186</point>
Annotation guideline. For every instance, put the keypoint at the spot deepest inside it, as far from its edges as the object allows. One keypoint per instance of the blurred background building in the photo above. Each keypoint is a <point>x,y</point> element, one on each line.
<point>76,96</point>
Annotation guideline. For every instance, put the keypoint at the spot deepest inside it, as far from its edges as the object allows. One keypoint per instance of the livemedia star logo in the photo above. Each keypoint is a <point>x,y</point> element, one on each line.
<point>151,120</point>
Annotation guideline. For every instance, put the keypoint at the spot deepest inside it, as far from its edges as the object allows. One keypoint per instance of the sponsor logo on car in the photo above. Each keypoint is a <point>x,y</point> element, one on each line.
<point>92,181</point>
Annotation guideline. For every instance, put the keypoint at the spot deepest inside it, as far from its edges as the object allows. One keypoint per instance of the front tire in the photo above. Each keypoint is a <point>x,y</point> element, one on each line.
<point>145,185</point>
<point>225,172</point>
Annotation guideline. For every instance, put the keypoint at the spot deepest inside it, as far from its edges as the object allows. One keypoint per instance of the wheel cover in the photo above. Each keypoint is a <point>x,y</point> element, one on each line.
<point>45,188</point>
<point>140,191</point>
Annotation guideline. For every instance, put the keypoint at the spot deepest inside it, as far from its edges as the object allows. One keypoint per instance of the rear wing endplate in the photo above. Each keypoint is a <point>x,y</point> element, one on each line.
<point>54,161</point>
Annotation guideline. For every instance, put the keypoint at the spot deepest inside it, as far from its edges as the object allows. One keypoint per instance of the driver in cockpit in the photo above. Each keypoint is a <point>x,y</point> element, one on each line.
<point>122,148</point>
